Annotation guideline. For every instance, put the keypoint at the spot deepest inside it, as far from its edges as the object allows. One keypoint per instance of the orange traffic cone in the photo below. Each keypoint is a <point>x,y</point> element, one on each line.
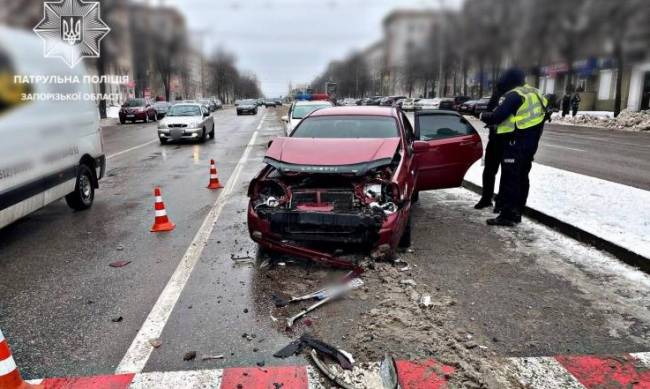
<point>214,180</point>
<point>161,222</point>
<point>9,375</point>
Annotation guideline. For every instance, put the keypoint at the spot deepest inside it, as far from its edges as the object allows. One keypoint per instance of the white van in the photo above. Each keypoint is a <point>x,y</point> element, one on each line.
<point>48,149</point>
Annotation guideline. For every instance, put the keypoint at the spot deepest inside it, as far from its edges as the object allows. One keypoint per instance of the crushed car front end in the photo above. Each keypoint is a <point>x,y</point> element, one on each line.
<point>321,212</point>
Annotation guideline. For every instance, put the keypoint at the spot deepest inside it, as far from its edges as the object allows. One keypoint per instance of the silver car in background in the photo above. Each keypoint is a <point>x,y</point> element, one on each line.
<point>186,121</point>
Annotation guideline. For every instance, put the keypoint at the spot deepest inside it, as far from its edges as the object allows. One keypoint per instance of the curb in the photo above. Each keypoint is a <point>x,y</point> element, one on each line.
<point>629,257</point>
<point>573,372</point>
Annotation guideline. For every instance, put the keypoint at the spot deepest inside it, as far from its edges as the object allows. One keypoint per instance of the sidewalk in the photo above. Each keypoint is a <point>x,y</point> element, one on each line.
<point>615,213</point>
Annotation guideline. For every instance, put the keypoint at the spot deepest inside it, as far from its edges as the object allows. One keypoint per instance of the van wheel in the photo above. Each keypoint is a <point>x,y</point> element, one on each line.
<point>405,240</point>
<point>84,191</point>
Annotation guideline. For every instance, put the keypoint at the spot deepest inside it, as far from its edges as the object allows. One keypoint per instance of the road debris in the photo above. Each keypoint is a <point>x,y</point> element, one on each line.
<point>331,295</point>
<point>283,301</point>
<point>155,343</point>
<point>328,373</point>
<point>117,319</point>
<point>211,357</point>
<point>388,372</point>
<point>189,356</point>
<point>119,263</point>
<point>343,357</point>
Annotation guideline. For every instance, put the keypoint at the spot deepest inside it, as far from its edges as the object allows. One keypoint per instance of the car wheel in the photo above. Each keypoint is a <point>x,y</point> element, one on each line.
<point>238,113</point>
<point>204,134</point>
<point>405,240</point>
<point>415,197</point>
<point>84,192</point>
<point>163,141</point>
<point>146,118</point>
<point>122,121</point>
<point>212,132</point>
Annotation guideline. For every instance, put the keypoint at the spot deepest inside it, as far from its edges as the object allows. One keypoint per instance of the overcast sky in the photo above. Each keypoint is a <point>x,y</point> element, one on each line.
<point>284,41</point>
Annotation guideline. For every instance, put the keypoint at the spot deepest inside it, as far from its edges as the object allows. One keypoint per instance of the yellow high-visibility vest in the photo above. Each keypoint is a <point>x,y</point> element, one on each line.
<point>531,113</point>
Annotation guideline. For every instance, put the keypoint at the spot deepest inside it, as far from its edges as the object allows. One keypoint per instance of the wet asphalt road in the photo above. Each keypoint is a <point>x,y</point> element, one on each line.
<point>527,291</point>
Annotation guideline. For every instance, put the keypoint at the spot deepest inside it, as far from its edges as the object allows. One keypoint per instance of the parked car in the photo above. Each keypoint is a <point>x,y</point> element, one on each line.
<point>480,106</point>
<point>269,103</point>
<point>209,103</point>
<point>186,121</point>
<point>49,149</point>
<point>301,109</point>
<point>446,103</point>
<point>398,103</point>
<point>161,108</point>
<point>217,103</point>
<point>247,107</point>
<point>346,178</point>
<point>137,109</point>
<point>390,100</point>
<point>408,104</point>
<point>467,108</point>
<point>427,104</point>
<point>458,100</point>
<point>349,102</point>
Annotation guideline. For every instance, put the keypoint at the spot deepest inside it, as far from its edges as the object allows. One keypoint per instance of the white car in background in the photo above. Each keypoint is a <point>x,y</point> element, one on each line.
<point>408,104</point>
<point>428,104</point>
<point>186,121</point>
<point>299,110</point>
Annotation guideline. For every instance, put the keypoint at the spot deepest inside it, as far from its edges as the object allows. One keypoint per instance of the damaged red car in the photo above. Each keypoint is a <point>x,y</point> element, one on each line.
<point>346,178</point>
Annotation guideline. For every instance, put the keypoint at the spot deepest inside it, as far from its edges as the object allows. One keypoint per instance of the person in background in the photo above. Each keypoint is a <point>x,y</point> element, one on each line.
<point>566,104</point>
<point>520,121</point>
<point>575,103</point>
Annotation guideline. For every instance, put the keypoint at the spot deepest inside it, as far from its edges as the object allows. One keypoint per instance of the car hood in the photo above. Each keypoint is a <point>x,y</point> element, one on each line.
<point>309,155</point>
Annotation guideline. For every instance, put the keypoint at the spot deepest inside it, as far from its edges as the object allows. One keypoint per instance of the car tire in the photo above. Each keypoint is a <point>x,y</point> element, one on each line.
<point>204,135</point>
<point>405,240</point>
<point>84,191</point>
<point>415,197</point>
<point>146,118</point>
<point>212,132</point>
<point>163,141</point>
<point>238,113</point>
<point>122,121</point>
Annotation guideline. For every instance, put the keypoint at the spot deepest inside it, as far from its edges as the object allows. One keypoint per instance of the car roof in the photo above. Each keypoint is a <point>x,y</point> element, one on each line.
<point>356,110</point>
<point>313,102</point>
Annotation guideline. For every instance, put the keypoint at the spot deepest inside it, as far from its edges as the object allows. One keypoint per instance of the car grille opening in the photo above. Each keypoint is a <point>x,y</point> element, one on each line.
<point>341,200</point>
<point>177,125</point>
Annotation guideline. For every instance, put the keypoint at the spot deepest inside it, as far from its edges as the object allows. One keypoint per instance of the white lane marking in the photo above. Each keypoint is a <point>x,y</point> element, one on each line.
<point>131,149</point>
<point>562,147</point>
<point>138,353</point>
<point>261,121</point>
<point>543,373</point>
<point>199,379</point>
<point>7,366</point>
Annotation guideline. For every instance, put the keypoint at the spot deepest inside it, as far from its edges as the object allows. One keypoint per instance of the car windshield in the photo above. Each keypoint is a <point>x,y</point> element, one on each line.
<point>347,127</point>
<point>134,103</point>
<point>300,111</point>
<point>184,110</point>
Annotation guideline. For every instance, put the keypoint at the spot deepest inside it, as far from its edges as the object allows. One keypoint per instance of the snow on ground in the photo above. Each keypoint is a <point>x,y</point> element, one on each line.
<point>617,213</point>
<point>626,121</point>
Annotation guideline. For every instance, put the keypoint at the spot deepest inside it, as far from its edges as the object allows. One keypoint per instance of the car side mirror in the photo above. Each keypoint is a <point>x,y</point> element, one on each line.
<point>285,119</point>
<point>420,146</point>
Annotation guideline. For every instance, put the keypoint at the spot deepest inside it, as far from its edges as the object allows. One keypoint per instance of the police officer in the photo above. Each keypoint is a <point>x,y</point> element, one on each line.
<point>520,122</point>
<point>493,152</point>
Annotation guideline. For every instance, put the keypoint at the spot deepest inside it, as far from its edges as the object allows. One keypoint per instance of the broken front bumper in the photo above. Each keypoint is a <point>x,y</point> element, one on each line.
<point>291,232</point>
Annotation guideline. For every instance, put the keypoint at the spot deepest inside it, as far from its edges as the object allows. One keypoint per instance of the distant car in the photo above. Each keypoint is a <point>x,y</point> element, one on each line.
<point>269,103</point>
<point>458,100</point>
<point>217,103</point>
<point>247,106</point>
<point>427,104</point>
<point>278,102</point>
<point>481,106</point>
<point>390,100</point>
<point>398,103</point>
<point>467,108</point>
<point>349,102</point>
<point>408,104</point>
<point>447,103</point>
<point>161,108</point>
<point>186,121</point>
<point>137,109</point>
<point>209,103</point>
<point>301,109</point>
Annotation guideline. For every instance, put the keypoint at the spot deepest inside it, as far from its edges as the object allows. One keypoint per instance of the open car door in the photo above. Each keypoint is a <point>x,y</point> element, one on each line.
<point>446,145</point>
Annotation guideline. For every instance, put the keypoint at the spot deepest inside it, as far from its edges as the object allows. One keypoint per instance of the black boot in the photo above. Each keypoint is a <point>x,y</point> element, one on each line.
<point>501,221</point>
<point>483,203</point>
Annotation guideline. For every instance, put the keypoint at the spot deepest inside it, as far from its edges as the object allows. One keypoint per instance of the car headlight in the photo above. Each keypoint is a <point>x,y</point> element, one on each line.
<point>162,125</point>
